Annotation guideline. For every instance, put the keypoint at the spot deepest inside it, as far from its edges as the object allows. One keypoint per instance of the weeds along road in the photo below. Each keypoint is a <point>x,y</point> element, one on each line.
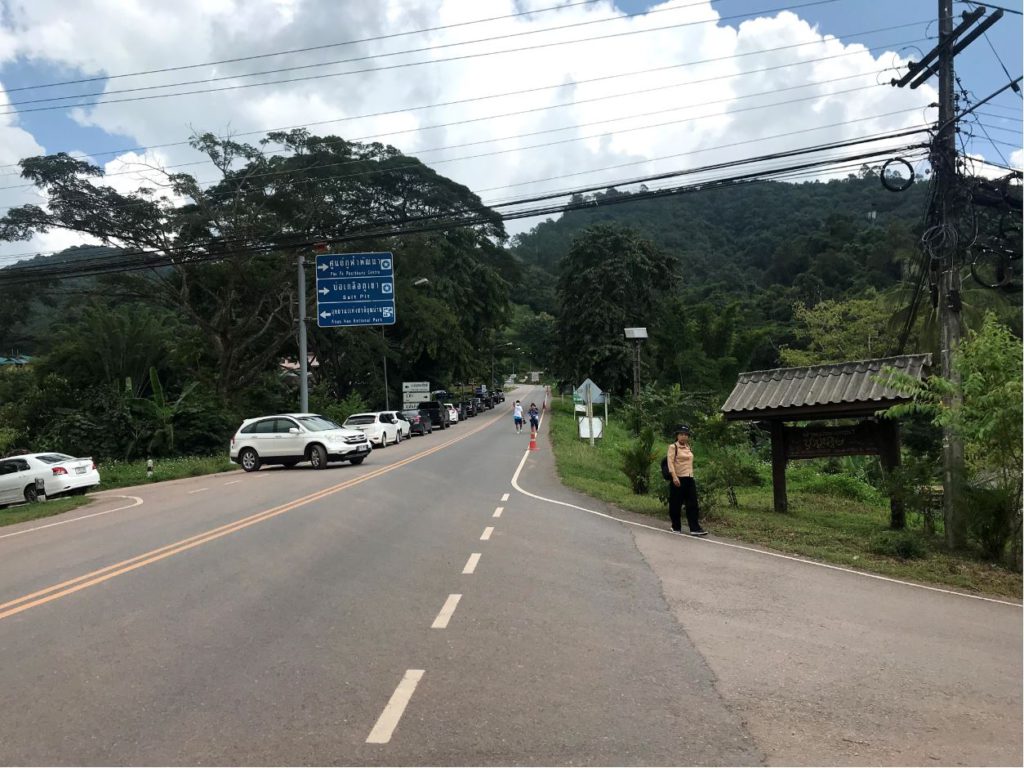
<point>419,609</point>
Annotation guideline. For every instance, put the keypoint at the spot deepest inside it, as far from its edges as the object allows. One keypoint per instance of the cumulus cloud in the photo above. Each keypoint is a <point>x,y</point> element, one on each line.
<point>707,92</point>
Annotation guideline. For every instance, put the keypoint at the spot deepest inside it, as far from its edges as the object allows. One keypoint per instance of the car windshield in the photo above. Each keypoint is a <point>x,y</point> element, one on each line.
<point>317,423</point>
<point>54,458</point>
<point>362,418</point>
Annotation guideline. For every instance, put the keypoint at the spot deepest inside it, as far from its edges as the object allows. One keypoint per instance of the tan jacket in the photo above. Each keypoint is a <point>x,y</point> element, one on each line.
<point>680,461</point>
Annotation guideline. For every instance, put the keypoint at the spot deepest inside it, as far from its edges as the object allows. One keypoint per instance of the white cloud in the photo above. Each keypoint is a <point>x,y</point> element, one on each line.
<point>1017,158</point>
<point>732,97</point>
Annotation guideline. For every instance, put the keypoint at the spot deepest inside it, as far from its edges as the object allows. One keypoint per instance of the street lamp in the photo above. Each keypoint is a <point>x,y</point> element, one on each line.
<point>637,335</point>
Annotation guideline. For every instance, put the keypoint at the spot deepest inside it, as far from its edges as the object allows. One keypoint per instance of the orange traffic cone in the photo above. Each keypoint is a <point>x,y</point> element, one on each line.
<point>533,439</point>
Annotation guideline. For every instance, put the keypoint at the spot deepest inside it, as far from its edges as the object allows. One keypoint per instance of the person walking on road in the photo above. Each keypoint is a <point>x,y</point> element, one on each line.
<point>683,489</point>
<point>517,416</point>
<point>534,417</point>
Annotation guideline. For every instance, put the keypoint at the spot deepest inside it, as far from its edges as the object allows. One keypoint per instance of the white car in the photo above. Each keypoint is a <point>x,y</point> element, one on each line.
<point>289,438</point>
<point>404,427</point>
<point>380,427</point>
<point>60,474</point>
<point>453,412</point>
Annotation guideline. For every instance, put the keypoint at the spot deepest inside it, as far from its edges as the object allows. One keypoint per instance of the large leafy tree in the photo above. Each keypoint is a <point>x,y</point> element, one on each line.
<point>223,255</point>
<point>610,279</point>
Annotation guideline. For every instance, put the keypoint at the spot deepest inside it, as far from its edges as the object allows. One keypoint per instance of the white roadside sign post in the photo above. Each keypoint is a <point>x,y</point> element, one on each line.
<point>414,393</point>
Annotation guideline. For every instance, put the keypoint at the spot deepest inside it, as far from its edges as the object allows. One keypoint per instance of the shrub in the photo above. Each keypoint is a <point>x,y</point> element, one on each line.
<point>839,486</point>
<point>636,461</point>
<point>992,517</point>
<point>901,544</point>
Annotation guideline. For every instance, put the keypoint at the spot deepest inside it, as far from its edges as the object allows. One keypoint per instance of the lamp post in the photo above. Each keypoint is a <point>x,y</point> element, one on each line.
<point>637,335</point>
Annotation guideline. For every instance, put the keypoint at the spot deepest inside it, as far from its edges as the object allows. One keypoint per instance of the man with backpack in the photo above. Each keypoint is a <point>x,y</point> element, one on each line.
<point>677,468</point>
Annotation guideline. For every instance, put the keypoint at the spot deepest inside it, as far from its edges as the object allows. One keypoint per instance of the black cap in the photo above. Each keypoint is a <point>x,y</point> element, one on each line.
<point>682,429</point>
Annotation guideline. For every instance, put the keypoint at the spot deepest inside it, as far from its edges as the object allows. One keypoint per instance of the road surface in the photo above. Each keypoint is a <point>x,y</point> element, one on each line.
<point>422,609</point>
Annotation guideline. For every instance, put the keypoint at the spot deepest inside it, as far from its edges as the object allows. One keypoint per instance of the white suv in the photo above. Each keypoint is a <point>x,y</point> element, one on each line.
<point>293,437</point>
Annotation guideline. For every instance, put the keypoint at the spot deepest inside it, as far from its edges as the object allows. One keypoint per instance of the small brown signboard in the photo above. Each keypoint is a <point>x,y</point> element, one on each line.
<point>819,442</point>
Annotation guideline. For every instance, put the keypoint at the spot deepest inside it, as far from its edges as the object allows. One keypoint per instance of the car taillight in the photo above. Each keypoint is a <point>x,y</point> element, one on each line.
<point>94,466</point>
<point>59,471</point>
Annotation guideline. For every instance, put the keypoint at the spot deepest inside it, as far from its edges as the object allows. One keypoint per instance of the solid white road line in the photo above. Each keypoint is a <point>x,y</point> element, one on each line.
<point>471,563</point>
<point>388,720</point>
<point>198,490</point>
<point>498,511</point>
<point>504,497</point>
<point>703,541</point>
<point>487,533</point>
<point>136,502</point>
<point>441,622</point>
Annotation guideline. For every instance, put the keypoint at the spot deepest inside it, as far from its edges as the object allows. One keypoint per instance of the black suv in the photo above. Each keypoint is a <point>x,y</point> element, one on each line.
<point>439,415</point>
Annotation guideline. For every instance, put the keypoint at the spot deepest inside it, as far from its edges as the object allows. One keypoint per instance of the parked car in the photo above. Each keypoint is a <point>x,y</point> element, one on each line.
<point>289,438</point>
<point>439,415</point>
<point>499,395</point>
<point>453,412</point>
<point>404,427</point>
<point>60,474</point>
<point>419,422</point>
<point>469,407</point>
<point>381,427</point>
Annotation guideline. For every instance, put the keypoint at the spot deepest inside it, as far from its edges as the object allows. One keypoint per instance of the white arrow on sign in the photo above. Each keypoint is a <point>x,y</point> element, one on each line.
<point>322,267</point>
<point>324,291</point>
<point>325,315</point>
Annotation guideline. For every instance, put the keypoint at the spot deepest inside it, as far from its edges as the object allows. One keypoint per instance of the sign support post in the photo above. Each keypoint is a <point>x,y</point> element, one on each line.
<point>303,354</point>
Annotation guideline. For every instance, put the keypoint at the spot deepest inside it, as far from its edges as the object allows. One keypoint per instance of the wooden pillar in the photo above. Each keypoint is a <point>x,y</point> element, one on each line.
<point>889,453</point>
<point>779,466</point>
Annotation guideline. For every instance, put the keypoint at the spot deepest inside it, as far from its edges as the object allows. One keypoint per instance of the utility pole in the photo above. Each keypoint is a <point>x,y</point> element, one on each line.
<point>303,356</point>
<point>950,320</point>
<point>942,239</point>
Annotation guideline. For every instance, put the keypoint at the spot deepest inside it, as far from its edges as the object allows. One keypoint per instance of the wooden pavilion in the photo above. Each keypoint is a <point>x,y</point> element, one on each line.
<point>850,390</point>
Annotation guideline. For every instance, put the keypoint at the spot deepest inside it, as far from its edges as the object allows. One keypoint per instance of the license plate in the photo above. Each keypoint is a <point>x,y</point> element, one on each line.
<point>80,470</point>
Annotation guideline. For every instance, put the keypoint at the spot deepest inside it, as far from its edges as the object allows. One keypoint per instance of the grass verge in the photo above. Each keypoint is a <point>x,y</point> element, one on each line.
<point>25,512</point>
<point>819,526</point>
<point>121,474</point>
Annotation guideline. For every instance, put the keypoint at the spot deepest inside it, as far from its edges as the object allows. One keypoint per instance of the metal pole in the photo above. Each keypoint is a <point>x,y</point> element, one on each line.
<point>387,397</point>
<point>944,163</point>
<point>590,415</point>
<point>636,370</point>
<point>303,355</point>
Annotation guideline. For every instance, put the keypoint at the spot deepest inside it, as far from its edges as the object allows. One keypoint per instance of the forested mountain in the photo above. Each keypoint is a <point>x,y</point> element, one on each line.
<point>763,274</point>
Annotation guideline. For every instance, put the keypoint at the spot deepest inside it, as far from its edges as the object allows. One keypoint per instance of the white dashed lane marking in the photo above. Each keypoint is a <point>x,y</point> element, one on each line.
<point>504,497</point>
<point>198,490</point>
<point>487,533</point>
<point>471,563</point>
<point>388,720</point>
<point>498,511</point>
<point>441,622</point>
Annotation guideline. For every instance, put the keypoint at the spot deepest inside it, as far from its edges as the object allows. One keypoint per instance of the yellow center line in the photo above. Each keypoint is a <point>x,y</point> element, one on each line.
<point>92,578</point>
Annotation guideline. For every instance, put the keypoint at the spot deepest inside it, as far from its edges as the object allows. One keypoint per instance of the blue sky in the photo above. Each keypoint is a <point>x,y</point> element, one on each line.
<point>978,67</point>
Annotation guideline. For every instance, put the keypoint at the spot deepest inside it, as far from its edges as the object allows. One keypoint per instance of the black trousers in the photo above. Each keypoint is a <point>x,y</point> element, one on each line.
<point>685,494</point>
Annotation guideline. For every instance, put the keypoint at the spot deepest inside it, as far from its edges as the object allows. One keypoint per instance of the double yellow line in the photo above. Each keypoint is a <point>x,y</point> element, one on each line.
<point>69,587</point>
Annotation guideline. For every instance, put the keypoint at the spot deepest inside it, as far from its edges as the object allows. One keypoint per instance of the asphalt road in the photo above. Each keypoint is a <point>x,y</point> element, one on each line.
<point>391,614</point>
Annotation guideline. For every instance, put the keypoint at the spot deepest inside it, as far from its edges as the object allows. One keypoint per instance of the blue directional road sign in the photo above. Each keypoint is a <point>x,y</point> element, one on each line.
<point>355,289</point>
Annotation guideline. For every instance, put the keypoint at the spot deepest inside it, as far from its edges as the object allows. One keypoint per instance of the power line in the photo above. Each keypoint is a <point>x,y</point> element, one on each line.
<point>248,177</point>
<point>303,177</point>
<point>169,254</point>
<point>402,65</point>
<point>370,57</point>
<point>998,57</point>
<point>538,89</point>
<point>308,49</point>
<point>994,6</point>
<point>516,113</point>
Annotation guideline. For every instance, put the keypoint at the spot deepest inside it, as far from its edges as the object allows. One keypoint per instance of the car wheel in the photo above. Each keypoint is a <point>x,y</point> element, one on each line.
<point>30,494</point>
<point>318,457</point>
<point>249,459</point>
<point>398,437</point>
<point>358,460</point>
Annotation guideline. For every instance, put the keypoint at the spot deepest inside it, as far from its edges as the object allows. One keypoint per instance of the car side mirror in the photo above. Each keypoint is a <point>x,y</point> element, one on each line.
<point>293,430</point>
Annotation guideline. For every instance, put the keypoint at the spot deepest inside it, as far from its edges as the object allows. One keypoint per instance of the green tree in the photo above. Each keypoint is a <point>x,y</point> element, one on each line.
<point>836,330</point>
<point>986,411</point>
<point>611,279</point>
